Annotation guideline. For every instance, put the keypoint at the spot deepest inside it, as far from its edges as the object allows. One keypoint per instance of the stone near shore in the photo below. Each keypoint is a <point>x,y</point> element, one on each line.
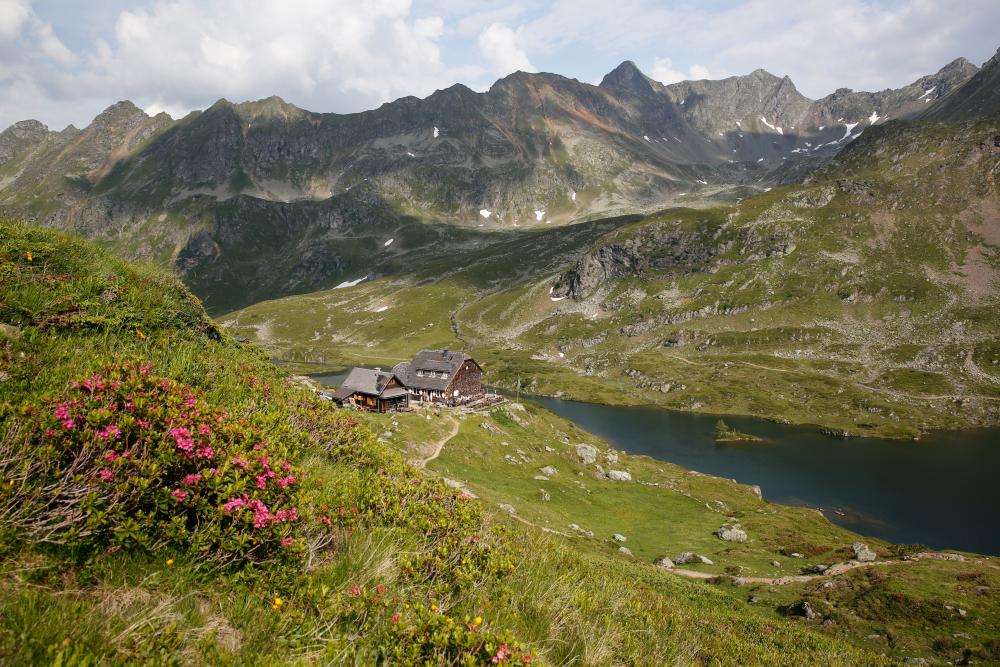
<point>510,509</point>
<point>549,471</point>
<point>618,537</point>
<point>625,550</point>
<point>620,475</point>
<point>862,553</point>
<point>586,453</point>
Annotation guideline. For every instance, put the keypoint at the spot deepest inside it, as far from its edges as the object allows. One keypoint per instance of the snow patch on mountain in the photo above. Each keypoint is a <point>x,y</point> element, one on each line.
<point>776,129</point>
<point>849,127</point>
<point>350,283</point>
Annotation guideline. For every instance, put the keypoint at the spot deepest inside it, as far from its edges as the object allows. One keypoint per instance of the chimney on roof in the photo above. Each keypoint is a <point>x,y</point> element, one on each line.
<point>378,369</point>
<point>444,353</point>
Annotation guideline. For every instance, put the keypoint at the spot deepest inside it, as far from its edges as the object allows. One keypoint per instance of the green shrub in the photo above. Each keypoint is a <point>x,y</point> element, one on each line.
<point>124,458</point>
<point>401,633</point>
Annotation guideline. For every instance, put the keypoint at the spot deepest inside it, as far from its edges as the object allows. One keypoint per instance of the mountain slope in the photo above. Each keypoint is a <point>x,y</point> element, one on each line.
<point>260,199</point>
<point>979,97</point>
<point>864,300</point>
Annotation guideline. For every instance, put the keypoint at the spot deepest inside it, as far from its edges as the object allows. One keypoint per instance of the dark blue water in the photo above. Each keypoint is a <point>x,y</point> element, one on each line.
<point>942,491</point>
<point>330,379</point>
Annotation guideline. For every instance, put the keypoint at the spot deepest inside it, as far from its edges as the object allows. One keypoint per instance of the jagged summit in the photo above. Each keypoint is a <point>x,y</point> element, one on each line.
<point>120,111</point>
<point>977,97</point>
<point>761,73</point>
<point>626,75</point>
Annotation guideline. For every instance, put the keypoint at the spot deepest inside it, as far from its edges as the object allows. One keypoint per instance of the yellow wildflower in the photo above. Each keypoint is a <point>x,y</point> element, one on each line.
<point>141,335</point>
<point>170,562</point>
<point>278,603</point>
<point>29,256</point>
<point>478,620</point>
<point>434,608</point>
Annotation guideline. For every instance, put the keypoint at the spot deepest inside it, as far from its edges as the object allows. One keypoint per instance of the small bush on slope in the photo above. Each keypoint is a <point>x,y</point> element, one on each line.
<point>373,538</point>
<point>125,459</point>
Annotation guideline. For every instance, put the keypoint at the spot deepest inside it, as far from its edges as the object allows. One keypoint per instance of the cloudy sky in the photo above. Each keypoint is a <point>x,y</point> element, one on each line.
<point>63,61</point>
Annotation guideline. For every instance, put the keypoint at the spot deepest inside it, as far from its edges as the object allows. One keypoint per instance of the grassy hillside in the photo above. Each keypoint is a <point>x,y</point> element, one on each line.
<point>552,474</point>
<point>170,497</point>
<point>864,301</point>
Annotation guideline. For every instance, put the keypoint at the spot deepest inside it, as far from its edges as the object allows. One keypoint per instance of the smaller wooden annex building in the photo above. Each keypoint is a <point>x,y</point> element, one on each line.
<point>372,389</point>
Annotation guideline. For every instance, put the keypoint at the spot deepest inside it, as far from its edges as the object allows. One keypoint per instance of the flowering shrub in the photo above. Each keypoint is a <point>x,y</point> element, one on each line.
<point>416,634</point>
<point>125,458</point>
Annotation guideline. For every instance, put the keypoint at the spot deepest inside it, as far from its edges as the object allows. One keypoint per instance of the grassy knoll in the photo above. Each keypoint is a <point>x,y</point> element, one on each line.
<point>900,609</point>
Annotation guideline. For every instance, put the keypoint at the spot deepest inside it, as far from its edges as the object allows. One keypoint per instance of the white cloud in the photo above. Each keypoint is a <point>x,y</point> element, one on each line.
<point>178,55</point>
<point>664,72</point>
<point>504,49</point>
<point>173,110</point>
<point>185,50</point>
<point>64,62</point>
<point>52,46</point>
<point>860,44</point>
<point>13,15</point>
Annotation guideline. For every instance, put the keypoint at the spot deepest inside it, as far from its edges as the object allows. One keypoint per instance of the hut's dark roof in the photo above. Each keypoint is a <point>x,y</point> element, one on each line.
<point>366,381</point>
<point>436,361</point>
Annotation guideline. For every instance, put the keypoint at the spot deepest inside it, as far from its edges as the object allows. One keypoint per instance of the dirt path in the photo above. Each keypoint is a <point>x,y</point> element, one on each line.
<point>833,571</point>
<point>439,445</point>
<point>541,528</point>
<point>975,371</point>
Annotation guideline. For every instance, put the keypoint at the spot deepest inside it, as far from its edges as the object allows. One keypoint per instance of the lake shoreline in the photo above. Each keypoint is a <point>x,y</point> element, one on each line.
<point>870,485</point>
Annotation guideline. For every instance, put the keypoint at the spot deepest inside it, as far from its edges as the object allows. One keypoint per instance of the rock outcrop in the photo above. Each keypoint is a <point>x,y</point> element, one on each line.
<point>586,453</point>
<point>731,533</point>
<point>862,553</point>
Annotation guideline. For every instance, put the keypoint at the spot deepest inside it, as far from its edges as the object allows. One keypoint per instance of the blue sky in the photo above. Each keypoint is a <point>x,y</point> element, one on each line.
<point>63,61</point>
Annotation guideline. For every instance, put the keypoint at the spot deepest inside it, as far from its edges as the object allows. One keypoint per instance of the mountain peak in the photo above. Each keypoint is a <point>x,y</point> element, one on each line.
<point>118,110</point>
<point>268,107</point>
<point>27,126</point>
<point>959,67</point>
<point>626,77</point>
<point>761,73</point>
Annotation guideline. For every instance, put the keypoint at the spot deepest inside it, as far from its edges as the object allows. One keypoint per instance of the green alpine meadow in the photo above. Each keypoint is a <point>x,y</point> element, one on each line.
<point>479,364</point>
